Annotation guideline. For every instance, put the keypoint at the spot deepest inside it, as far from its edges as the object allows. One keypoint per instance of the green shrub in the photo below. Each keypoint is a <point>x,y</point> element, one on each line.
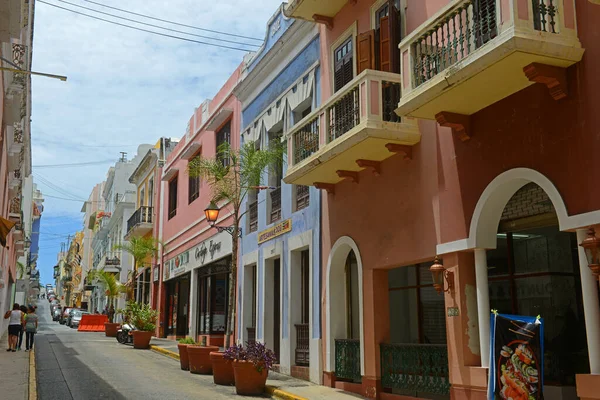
<point>142,316</point>
<point>187,340</point>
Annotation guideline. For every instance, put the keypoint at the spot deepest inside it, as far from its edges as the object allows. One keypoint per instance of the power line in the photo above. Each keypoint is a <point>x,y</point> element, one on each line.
<point>73,164</point>
<point>157,26</point>
<point>144,30</point>
<point>174,23</point>
<point>63,198</point>
<point>52,186</point>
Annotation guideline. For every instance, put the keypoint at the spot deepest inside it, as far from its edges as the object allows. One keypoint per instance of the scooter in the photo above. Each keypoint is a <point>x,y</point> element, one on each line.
<point>125,334</point>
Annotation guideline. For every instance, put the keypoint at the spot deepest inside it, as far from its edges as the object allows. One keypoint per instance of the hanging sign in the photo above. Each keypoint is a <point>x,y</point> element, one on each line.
<point>516,357</point>
<point>274,231</point>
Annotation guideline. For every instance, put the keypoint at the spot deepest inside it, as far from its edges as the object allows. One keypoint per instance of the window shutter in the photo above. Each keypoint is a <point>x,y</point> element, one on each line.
<point>385,44</point>
<point>366,49</point>
<point>395,32</point>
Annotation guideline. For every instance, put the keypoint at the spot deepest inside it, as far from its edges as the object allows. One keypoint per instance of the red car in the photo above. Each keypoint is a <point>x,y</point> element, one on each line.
<point>64,315</point>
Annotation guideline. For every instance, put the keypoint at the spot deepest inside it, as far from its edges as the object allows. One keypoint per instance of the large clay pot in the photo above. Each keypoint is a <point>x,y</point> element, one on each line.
<point>141,339</point>
<point>183,356</point>
<point>248,381</point>
<point>199,359</point>
<point>222,369</point>
<point>110,329</point>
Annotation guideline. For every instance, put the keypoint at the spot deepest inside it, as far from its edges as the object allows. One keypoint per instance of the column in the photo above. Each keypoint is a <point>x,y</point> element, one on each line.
<point>483,305</point>
<point>591,309</point>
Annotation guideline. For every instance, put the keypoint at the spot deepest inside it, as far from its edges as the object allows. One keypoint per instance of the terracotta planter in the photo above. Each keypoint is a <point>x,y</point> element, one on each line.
<point>248,381</point>
<point>183,356</point>
<point>222,369</point>
<point>141,339</point>
<point>110,329</point>
<point>199,359</point>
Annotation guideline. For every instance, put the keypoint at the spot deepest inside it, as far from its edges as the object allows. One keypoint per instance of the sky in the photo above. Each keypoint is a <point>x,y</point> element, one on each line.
<point>125,87</point>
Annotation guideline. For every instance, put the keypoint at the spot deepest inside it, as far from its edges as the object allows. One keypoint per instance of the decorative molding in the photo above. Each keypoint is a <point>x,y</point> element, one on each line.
<point>352,175</point>
<point>555,78</point>
<point>460,124</point>
<point>400,148</point>
<point>323,19</point>
<point>374,165</point>
<point>329,187</point>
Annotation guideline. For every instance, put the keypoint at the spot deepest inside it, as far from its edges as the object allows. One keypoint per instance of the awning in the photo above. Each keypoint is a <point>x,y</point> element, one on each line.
<point>5,228</point>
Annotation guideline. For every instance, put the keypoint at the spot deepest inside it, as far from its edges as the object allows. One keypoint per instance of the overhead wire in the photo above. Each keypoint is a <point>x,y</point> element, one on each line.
<point>144,30</point>
<point>174,23</point>
<point>157,26</point>
<point>73,164</point>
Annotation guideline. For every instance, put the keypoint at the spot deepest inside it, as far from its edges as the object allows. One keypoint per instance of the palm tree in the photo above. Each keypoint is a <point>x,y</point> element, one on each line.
<point>230,175</point>
<point>111,284</point>
<point>20,269</point>
<point>140,249</point>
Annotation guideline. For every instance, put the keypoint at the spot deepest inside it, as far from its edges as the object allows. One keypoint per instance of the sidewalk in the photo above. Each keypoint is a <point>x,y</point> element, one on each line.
<point>279,386</point>
<point>15,372</point>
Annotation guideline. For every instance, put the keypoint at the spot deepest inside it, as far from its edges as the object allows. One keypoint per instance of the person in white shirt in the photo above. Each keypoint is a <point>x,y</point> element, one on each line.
<point>15,325</point>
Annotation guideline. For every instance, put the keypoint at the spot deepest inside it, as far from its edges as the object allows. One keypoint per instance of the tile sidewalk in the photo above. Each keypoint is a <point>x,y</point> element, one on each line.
<point>14,384</point>
<point>279,386</point>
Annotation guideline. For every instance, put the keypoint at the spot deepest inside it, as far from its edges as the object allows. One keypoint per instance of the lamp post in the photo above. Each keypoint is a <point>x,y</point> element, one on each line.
<point>212,214</point>
<point>591,245</point>
<point>439,273</point>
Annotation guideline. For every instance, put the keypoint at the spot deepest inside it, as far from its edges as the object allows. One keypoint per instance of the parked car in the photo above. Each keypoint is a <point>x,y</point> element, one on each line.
<point>64,315</point>
<point>54,307</point>
<point>76,318</point>
<point>70,316</point>
<point>56,313</point>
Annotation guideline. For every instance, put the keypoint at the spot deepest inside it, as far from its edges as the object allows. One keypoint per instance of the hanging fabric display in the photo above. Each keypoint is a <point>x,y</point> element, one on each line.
<point>516,358</point>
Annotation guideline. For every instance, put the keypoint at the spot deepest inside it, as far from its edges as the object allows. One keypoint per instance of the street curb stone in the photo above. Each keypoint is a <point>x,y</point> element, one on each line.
<point>165,352</point>
<point>32,377</point>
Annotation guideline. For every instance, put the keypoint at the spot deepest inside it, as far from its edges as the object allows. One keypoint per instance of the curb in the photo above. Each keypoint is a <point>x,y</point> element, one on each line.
<point>32,377</point>
<point>165,352</point>
<point>277,393</point>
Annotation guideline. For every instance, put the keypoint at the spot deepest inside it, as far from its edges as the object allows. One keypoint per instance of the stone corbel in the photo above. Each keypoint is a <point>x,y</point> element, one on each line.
<point>352,175</point>
<point>323,19</point>
<point>374,165</point>
<point>459,123</point>
<point>555,78</point>
<point>401,149</point>
<point>329,187</point>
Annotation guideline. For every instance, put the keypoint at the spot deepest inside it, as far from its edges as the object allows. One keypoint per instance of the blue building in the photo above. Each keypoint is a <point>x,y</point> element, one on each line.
<point>279,272</point>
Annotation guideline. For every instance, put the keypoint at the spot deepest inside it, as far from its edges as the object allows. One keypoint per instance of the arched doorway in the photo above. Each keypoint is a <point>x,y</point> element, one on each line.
<point>344,305</point>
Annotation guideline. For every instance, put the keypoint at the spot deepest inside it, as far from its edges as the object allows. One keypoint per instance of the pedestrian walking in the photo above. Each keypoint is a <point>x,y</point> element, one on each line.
<point>31,325</point>
<point>24,311</point>
<point>15,325</point>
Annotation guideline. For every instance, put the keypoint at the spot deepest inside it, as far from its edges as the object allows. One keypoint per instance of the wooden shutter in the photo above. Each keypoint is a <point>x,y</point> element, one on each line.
<point>385,44</point>
<point>395,32</point>
<point>366,49</point>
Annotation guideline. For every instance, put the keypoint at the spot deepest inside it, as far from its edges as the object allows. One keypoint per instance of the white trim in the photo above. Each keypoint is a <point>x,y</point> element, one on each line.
<point>352,32</point>
<point>374,7</point>
<point>276,251</point>
<point>195,235</point>
<point>487,213</point>
<point>340,251</point>
<point>190,151</point>
<point>170,174</point>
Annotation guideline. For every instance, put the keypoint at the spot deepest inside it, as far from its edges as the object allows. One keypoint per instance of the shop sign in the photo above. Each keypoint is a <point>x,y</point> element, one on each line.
<point>212,249</point>
<point>517,357</point>
<point>274,231</point>
<point>177,265</point>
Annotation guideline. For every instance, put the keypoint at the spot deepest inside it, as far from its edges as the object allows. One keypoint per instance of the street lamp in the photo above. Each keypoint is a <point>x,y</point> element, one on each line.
<point>212,213</point>
<point>591,245</point>
<point>439,272</point>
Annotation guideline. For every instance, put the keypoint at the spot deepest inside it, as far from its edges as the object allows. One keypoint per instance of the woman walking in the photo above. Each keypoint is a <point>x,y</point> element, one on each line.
<point>24,311</point>
<point>31,325</point>
<point>15,325</point>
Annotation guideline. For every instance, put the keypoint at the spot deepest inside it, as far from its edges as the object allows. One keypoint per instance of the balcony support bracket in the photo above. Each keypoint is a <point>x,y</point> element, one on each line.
<point>555,78</point>
<point>352,175</point>
<point>323,19</point>
<point>460,124</point>
<point>401,149</point>
<point>329,187</point>
<point>374,165</point>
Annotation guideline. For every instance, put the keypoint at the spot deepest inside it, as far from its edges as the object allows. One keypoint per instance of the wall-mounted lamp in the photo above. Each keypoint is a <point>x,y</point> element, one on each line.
<point>439,273</point>
<point>591,245</point>
<point>212,214</point>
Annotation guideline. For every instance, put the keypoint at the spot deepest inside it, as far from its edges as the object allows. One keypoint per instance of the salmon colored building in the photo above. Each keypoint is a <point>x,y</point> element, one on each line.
<point>466,130</point>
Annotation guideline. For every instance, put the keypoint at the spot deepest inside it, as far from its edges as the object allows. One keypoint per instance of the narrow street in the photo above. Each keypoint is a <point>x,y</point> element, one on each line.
<point>88,365</point>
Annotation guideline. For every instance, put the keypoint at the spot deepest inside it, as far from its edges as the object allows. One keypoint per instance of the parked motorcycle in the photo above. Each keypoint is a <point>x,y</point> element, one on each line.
<point>125,334</point>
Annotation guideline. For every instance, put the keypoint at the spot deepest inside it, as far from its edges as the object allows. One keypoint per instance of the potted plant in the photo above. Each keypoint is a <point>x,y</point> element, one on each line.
<point>222,369</point>
<point>199,358</point>
<point>143,318</point>
<point>183,354</point>
<point>251,365</point>
<point>113,289</point>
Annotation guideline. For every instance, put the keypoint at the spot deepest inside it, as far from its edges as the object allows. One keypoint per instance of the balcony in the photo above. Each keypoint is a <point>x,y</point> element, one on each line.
<point>472,54</point>
<point>347,360</point>
<point>14,211</point>
<point>355,129</point>
<point>320,11</point>
<point>140,222</point>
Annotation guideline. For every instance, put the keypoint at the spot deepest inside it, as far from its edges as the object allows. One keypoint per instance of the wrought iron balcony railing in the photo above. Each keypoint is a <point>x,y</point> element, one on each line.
<point>347,359</point>
<point>253,216</point>
<point>306,140</point>
<point>302,345</point>
<point>275,205</point>
<point>418,368</point>
<point>113,259</point>
<point>142,215</point>
<point>302,197</point>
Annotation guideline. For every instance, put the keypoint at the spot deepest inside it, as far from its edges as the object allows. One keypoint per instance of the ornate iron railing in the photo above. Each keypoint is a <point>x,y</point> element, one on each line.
<point>418,368</point>
<point>18,132</point>
<point>302,197</point>
<point>306,140</point>
<point>461,31</point>
<point>142,215</point>
<point>544,13</point>
<point>344,114</point>
<point>112,259</point>
<point>253,216</point>
<point>390,96</point>
<point>302,345</point>
<point>275,204</point>
<point>251,334</point>
<point>347,359</point>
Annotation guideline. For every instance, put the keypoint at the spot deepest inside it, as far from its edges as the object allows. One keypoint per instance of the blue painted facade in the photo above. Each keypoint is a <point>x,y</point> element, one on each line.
<point>305,220</point>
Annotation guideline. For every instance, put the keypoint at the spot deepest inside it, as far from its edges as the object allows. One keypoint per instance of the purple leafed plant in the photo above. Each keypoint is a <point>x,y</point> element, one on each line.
<point>254,352</point>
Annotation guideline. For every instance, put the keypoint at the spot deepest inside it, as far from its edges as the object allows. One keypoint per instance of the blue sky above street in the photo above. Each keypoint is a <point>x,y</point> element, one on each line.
<point>124,88</point>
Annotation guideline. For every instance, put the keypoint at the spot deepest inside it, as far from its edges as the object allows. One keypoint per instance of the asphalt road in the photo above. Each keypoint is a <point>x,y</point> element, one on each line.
<point>88,365</point>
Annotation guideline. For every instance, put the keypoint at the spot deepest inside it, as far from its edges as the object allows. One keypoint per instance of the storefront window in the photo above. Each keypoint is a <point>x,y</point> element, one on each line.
<point>213,286</point>
<point>178,292</point>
